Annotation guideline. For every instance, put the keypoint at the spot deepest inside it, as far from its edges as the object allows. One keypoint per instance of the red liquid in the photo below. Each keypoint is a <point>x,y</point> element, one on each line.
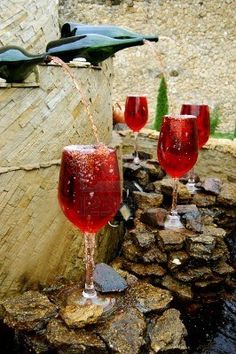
<point>203,120</point>
<point>89,186</point>
<point>177,145</point>
<point>136,112</point>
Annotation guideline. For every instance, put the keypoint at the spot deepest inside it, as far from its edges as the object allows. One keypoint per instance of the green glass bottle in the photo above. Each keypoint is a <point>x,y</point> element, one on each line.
<point>93,47</point>
<point>70,29</point>
<point>16,64</point>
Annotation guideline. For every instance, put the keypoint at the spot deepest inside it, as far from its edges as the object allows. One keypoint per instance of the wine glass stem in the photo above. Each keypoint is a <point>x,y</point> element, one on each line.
<point>136,146</point>
<point>89,290</point>
<point>191,178</point>
<point>174,197</point>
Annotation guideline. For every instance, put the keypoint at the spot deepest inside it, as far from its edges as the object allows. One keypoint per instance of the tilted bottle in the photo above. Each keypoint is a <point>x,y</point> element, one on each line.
<point>70,29</point>
<point>16,64</point>
<point>93,47</point>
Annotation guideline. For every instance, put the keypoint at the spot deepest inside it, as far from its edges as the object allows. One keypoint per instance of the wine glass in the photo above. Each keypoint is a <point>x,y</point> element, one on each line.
<point>89,195</point>
<point>136,116</point>
<point>177,153</point>
<point>203,126</point>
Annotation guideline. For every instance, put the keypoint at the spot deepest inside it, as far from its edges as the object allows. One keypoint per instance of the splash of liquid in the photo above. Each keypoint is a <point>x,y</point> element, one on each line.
<point>84,101</point>
<point>156,55</point>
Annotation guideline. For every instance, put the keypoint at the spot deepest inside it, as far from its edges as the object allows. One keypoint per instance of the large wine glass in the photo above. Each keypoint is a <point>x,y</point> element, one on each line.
<point>136,116</point>
<point>203,126</point>
<point>177,153</point>
<point>89,196</point>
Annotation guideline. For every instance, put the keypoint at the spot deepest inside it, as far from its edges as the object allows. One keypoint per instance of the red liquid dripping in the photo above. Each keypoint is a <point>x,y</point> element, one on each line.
<point>89,186</point>
<point>177,145</point>
<point>203,121</point>
<point>136,112</point>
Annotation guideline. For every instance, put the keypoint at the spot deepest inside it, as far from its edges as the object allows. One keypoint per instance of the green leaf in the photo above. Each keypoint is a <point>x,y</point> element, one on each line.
<point>215,119</point>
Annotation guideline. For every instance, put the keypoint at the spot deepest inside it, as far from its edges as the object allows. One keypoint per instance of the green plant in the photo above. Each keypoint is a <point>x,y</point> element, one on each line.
<point>162,104</point>
<point>215,119</point>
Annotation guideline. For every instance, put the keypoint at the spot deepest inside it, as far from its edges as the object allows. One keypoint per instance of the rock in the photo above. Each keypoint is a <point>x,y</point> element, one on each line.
<point>221,251</point>
<point>144,270</point>
<point>186,208</point>
<point>149,188</point>
<point>168,332</point>
<point>149,298</point>
<point>193,221</point>
<point>79,316</point>
<point>117,264</point>
<point>144,239</point>
<point>212,185</point>
<point>134,253</point>
<point>182,290</point>
<point>223,268</point>
<point>210,230</point>
<point>171,240</point>
<point>209,283</point>
<point>154,217</point>
<point>153,168</point>
<point>65,340</point>
<point>145,200</point>
<point>33,343</point>
<point>143,155</point>
<point>190,275</point>
<point>227,195</point>
<point>123,332</point>
<point>155,254</point>
<point>203,200</point>
<point>106,279</point>
<point>201,247</point>
<point>129,169</point>
<point>142,177</point>
<point>130,251</point>
<point>167,189</point>
<point>177,259</point>
<point>30,311</point>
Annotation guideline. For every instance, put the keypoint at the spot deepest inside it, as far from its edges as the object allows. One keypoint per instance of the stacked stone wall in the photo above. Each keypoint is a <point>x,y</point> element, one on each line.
<point>29,24</point>
<point>196,46</point>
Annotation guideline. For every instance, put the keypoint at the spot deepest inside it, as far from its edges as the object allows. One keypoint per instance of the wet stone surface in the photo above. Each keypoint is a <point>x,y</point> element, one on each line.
<point>123,333</point>
<point>70,341</point>
<point>148,298</point>
<point>28,312</point>
<point>168,333</point>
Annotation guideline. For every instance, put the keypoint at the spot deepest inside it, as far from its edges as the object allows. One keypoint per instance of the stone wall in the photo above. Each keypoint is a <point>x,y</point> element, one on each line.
<point>196,46</point>
<point>29,24</point>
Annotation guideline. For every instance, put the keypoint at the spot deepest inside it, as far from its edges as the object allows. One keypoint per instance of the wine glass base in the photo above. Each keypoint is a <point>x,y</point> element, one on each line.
<point>192,188</point>
<point>173,222</point>
<point>77,298</point>
<point>136,160</point>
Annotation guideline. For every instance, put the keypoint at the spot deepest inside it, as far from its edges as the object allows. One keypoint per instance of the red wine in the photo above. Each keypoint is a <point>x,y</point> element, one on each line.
<point>136,112</point>
<point>177,146</point>
<point>203,120</point>
<point>89,186</point>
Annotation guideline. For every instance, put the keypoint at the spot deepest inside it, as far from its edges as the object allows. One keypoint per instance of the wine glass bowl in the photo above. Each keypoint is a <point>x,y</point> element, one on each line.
<point>201,111</point>
<point>177,153</point>
<point>136,116</point>
<point>89,195</point>
<point>203,120</point>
